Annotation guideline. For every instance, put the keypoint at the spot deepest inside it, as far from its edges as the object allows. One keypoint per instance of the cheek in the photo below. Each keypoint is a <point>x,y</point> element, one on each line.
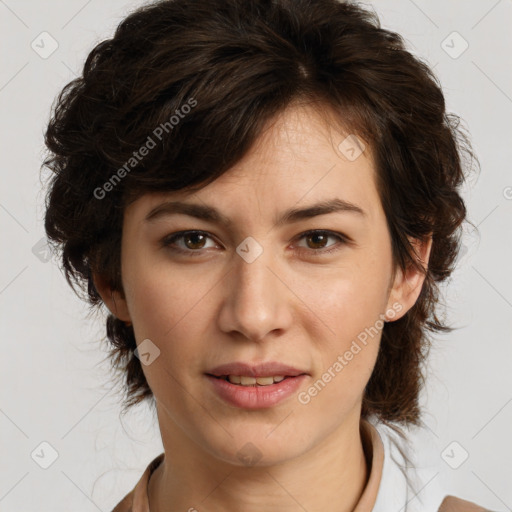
<point>351,305</point>
<point>348,350</point>
<point>352,298</point>
<point>169,307</point>
<point>148,299</point>
<point>160,297</point>
<point>164,310</point>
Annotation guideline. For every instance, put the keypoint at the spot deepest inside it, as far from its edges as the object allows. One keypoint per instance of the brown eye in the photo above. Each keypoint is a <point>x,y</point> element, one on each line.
<point>316,241</point>
<point>192,242</point>
<point>197,240</point>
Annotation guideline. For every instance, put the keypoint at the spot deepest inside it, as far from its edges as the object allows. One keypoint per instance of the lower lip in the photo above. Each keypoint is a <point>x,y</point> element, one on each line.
<point>256,397</point>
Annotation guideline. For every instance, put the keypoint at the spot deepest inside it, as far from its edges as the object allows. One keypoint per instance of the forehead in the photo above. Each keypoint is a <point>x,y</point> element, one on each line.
<point>303,156</point>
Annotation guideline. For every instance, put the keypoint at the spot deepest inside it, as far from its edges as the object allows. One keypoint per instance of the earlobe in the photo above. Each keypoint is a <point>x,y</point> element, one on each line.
<point>113,299</point>
<point>407,284</point>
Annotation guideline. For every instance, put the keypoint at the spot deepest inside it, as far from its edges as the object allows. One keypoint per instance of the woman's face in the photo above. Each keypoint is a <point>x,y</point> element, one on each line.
<point>254,288</point>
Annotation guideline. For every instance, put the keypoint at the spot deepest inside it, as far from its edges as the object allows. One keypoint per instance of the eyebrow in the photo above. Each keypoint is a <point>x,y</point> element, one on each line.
<point>211,214</point>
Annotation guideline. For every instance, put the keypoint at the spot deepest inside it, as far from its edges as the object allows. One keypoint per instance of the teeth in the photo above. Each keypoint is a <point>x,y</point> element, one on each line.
<point>252,381</point>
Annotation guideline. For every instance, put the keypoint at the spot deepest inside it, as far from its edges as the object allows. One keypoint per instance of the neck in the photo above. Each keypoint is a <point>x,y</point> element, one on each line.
<point>332,476</point>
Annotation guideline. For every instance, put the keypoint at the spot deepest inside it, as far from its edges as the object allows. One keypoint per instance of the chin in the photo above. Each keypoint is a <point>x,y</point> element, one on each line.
<point>258,450</point>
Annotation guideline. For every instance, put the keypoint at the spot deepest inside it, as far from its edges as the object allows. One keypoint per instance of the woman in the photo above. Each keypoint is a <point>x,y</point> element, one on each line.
<point>265,195</point>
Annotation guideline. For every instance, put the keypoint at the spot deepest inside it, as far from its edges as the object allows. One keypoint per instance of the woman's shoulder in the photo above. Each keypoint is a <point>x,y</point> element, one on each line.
<point>137,499</point>
<point>126,504</point>
<point>454,504</point>
<point>411,478</point>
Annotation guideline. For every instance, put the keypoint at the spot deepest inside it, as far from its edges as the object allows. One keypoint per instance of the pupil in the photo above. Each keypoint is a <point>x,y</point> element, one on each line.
<point>192,236</point>
<point>315,235</point>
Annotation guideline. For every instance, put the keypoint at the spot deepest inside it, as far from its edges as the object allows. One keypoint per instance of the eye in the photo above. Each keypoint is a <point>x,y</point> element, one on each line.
<point>319,238</point>
<point>194,241</point>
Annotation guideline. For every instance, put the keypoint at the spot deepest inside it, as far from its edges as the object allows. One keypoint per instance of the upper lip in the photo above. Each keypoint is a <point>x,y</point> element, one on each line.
<point>266,369</point>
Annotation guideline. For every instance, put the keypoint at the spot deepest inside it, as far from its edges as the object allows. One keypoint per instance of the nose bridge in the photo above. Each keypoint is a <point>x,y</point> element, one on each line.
<point>255,297</point>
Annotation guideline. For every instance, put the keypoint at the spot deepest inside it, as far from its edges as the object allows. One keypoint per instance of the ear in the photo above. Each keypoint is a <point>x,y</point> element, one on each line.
<point>406,286</point>
<point>113,299</point>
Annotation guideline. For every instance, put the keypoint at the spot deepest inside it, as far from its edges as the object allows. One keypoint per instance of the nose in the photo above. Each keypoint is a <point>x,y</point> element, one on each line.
<point>257,302</point>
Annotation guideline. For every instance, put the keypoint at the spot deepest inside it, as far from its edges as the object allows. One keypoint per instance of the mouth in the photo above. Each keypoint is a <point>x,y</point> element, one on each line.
<point>255,386</point>
<point>245,380</point>
<point>248,374</point>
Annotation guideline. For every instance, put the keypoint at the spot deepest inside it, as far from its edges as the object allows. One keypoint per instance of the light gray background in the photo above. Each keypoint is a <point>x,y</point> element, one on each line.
<point>55,384</point>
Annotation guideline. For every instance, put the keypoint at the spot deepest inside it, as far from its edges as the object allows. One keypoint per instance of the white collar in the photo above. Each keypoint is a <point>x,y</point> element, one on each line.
<point>423,493</point>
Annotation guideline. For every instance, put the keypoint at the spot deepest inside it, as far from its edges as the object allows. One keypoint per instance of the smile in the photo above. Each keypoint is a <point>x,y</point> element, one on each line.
<point>244,380</point>
<point>255,392</point>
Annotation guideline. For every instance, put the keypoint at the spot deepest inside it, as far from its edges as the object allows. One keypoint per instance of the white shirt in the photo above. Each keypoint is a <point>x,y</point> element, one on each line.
<point>421,491</point>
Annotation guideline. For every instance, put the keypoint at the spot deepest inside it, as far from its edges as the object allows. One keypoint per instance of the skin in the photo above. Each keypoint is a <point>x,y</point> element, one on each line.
<point>293,304</point>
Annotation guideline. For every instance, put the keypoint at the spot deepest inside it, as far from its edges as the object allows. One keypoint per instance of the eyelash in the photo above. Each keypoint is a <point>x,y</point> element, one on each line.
<point>170,239</point>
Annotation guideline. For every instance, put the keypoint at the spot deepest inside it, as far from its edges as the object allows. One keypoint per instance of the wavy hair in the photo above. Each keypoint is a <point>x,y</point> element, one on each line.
<point>236,64</point>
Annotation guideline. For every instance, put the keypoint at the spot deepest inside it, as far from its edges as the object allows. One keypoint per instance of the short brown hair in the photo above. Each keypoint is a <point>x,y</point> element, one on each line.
<point>242,62</point>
